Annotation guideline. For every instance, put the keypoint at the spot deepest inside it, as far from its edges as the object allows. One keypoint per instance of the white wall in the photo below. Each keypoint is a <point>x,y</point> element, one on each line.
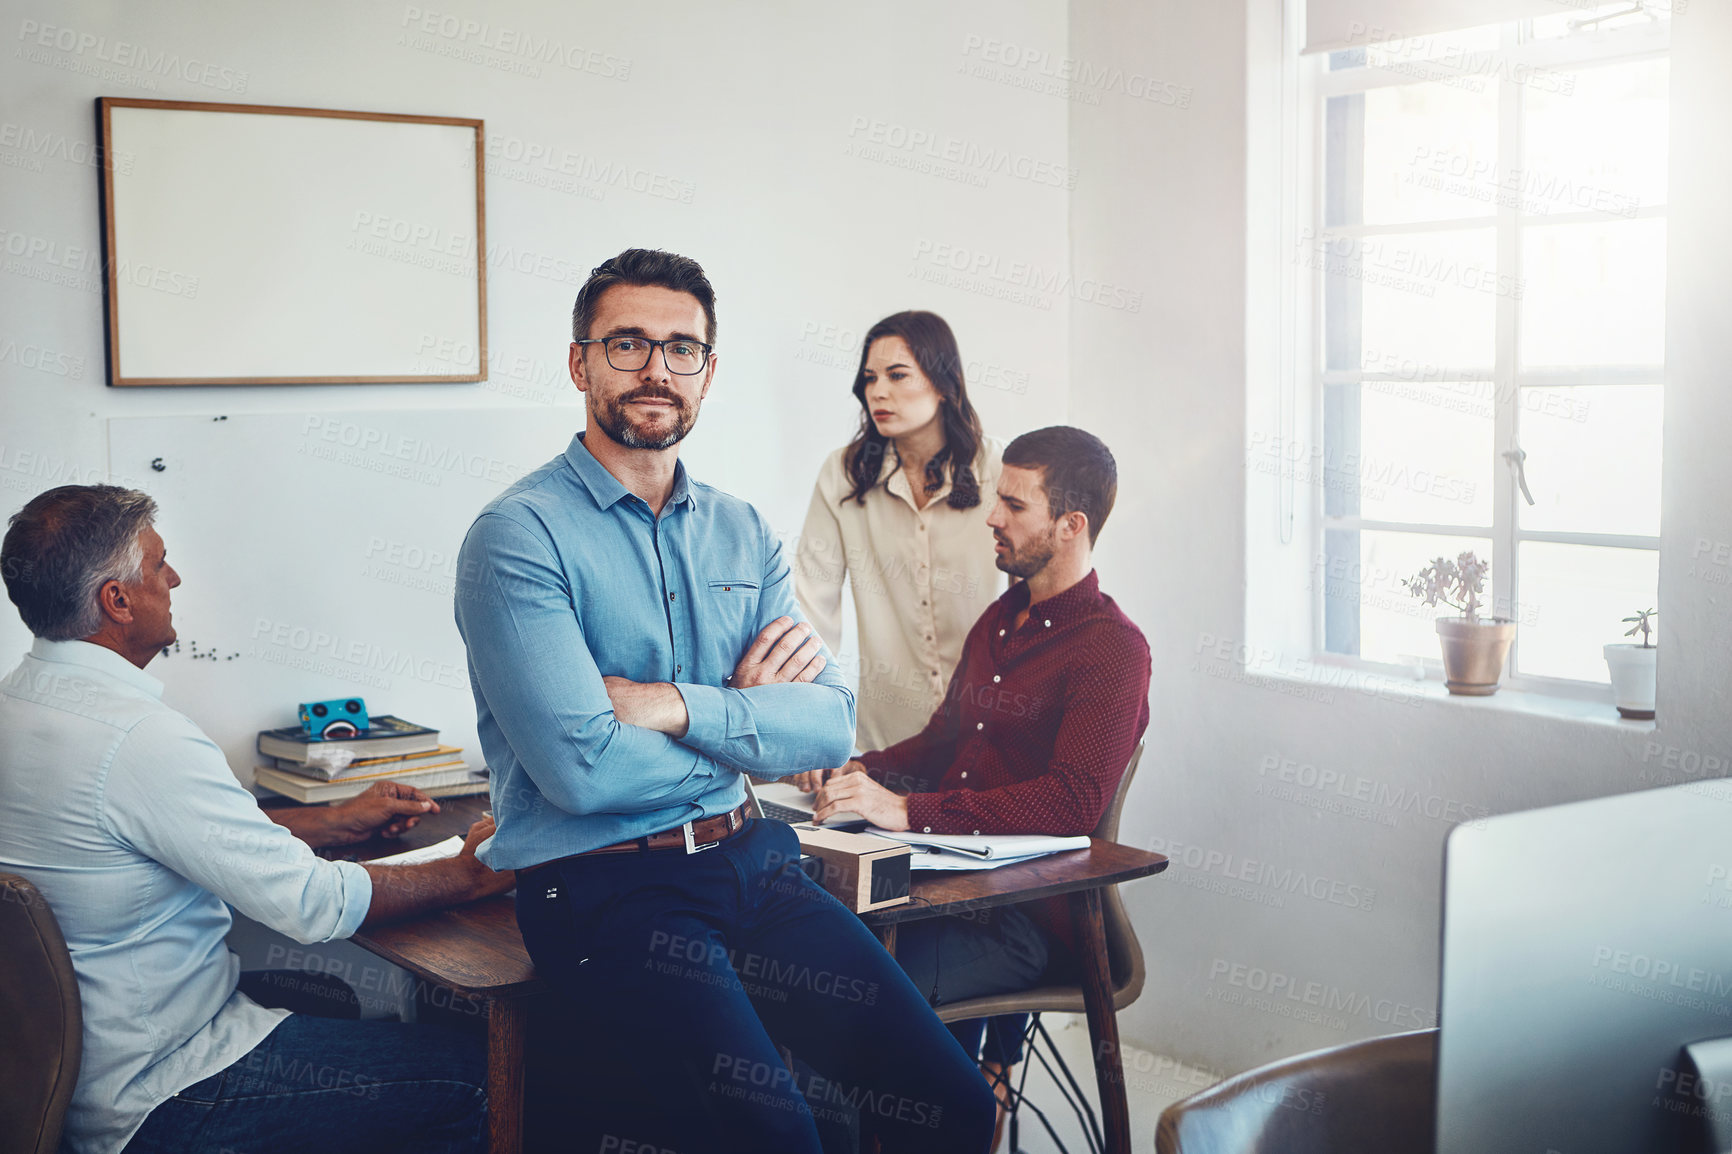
<point>754,109</point>
<point>1341,907</point>
<point>744,128</point>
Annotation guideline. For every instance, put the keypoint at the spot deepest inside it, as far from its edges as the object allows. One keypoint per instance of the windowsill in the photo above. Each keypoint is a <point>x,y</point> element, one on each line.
<point>1583,710</point>
<point>1347,680</point>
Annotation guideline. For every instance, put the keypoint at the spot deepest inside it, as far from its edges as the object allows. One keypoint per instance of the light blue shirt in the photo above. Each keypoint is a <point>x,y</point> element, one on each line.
<point>128,820</point>
<point>568,577</point>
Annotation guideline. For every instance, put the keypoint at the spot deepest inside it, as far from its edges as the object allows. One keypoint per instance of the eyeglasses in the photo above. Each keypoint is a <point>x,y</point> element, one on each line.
<point>629,354</point>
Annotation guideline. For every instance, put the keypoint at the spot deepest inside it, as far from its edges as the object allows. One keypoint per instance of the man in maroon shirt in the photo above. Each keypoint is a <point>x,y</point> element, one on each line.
<point>1048,701</point>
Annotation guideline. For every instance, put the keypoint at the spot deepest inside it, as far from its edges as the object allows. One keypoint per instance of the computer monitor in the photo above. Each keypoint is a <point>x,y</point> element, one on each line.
<point>1583,946</point>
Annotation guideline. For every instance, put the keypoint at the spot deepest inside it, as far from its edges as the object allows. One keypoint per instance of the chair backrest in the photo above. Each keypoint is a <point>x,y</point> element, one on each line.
<point>1124,952</point>
<point>1374,1097</point>
<point>44,1029</point>
<point>1108,829</point>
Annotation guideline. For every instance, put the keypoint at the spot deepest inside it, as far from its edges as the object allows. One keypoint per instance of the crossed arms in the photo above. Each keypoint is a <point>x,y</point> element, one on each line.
<point>596,743</point>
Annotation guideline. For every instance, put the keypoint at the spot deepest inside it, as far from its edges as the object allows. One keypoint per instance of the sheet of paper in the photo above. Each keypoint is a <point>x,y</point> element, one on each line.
<point>988,846</point>
<point>438,851</point>
<point>933,858</point>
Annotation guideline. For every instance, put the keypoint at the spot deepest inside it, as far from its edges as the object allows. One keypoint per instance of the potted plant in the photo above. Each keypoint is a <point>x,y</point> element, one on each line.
<point>1474,648</point>
<point>1633,668</point>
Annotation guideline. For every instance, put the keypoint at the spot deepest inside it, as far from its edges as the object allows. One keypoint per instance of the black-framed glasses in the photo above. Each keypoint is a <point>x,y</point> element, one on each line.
<point>629,354</point>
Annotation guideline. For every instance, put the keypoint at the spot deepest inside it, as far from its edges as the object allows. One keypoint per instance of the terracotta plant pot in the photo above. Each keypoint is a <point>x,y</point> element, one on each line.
<point>1474,653</point>
<point>1633,669</point>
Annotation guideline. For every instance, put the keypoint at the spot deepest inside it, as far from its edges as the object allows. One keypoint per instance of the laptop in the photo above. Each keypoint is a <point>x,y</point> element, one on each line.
<point>780,801</point>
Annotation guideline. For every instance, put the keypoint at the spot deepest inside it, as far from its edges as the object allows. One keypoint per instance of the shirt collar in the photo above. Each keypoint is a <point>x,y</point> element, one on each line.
<point>895,480</point>
<point>605,487</point>
<point>1073,604</point>
<point>99,658</point>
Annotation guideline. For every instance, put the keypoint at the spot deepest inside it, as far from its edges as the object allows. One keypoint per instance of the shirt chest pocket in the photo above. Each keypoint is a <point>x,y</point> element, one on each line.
<point>734,602</point>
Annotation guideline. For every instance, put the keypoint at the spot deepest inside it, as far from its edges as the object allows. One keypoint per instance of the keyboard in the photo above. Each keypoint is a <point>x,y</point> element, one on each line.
<point>785,813</point>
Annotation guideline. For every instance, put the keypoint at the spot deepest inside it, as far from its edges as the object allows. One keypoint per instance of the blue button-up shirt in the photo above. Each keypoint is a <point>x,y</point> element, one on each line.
<point>568,577</point>
<point>128,820</point>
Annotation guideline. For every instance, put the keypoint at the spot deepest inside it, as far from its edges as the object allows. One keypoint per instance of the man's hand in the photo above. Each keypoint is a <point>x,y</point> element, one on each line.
<point>651,704</point>
<point>783,652</point>
<point>487,882</point>
<point>388,809</point>
<point>403,891</point>
<point>811,779</point>
<point>860,794</point>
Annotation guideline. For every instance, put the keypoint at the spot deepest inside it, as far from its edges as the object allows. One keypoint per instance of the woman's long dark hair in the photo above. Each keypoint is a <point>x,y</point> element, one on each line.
<point>934,349</point>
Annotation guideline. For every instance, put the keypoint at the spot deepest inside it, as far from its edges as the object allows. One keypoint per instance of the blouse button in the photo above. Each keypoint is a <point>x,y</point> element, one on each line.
<point>996,679</point>
<point>976,833</point>
<point>980,725</point>
<point>927,829</point>
<point>1049,624</point>
<point>1001,633</point>
<point>965,773</point>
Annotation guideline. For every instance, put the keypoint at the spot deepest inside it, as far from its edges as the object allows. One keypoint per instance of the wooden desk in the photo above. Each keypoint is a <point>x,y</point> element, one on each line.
<point>476,949</point>
<point>1078,875</point>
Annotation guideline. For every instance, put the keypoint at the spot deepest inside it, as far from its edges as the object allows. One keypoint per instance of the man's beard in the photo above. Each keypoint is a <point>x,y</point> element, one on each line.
<point>610,417</point>
<point>1032,557</point>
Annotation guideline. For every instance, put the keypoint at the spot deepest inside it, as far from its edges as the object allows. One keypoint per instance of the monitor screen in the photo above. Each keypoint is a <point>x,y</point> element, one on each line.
<point>1583,946</point>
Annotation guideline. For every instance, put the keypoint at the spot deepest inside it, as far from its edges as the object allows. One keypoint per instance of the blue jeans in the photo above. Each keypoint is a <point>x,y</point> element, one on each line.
<point>333,1086</point>
<point>991,951</point>
<point>687,973</point>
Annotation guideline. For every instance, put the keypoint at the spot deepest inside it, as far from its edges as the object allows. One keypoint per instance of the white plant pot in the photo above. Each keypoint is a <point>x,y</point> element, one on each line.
<point>1633,678</point>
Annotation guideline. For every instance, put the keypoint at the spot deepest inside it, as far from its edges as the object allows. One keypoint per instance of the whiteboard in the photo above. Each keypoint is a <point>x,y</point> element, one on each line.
<point>318,556</point>
<point>248,244</point>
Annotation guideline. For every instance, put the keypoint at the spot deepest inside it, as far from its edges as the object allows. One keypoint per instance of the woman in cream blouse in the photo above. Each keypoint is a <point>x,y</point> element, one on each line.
<point>901,511</point>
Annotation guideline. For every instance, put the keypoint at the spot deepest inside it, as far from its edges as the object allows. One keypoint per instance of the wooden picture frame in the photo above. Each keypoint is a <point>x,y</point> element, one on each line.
<point>248,244</point>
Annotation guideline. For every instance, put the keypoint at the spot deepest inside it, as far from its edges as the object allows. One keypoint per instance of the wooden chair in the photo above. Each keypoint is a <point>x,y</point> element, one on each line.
<point>44,1027</point>
<point>1374,1097</point>
<point>1124,965</point>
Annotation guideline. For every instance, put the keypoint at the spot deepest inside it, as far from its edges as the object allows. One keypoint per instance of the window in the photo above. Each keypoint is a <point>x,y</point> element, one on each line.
<point>1486,264</point>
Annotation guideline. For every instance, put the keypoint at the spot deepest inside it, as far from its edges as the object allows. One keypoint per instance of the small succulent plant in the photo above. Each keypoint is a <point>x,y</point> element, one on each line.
<point>1641,619</point>
<point>1459,584</point>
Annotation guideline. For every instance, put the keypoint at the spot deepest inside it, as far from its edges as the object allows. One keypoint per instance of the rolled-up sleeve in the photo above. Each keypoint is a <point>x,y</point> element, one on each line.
<point>169,794</point>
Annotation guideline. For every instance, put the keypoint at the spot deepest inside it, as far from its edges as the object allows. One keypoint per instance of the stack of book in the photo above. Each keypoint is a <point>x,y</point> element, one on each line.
<point>389,749</point>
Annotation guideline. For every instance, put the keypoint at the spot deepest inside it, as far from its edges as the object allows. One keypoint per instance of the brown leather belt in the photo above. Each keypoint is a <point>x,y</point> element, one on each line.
<point>693,836</point>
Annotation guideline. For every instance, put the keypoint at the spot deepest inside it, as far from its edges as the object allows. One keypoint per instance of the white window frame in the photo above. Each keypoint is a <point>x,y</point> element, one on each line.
<point>1317,85</point>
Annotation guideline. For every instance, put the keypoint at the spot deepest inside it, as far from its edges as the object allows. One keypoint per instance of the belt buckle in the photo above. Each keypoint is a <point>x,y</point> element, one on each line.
<point>691,844</point>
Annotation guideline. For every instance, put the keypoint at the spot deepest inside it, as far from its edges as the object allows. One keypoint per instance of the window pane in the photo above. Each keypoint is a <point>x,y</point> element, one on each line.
<point>1429,152</point>
<point>1594,294</point>
<point>1394,625</point>
<point>1575,598</point>
<point>1600,145</point>
<point>1426,453</point>
<point>1593,461</point>
<point>1427,297</point>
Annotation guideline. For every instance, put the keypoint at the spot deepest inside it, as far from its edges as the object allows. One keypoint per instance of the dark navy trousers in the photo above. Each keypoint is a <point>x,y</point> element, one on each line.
<point>685,975</point>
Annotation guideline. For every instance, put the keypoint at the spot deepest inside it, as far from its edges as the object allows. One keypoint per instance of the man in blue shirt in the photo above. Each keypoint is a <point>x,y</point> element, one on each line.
<point>126,817</point>
<point>634,647</point>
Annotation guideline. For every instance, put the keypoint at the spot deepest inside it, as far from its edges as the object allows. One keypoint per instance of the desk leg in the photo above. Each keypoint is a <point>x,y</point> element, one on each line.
<point>506,1024</point>
<point>887,937</point>
<point>1091,935</point>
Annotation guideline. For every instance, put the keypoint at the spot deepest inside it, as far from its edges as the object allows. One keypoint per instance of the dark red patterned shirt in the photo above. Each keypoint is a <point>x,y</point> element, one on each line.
<point>1037,724</point>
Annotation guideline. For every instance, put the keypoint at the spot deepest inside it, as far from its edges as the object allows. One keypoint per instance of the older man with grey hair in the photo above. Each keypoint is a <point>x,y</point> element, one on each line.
<point>127,818</point>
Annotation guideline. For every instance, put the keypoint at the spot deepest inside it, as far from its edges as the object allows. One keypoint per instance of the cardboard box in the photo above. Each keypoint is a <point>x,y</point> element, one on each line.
<point>862,872</point>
